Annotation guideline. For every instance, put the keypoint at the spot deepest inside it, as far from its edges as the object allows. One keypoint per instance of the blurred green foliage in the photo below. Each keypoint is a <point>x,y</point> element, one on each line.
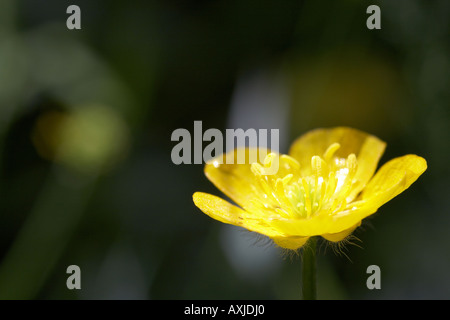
<point>86,117</point>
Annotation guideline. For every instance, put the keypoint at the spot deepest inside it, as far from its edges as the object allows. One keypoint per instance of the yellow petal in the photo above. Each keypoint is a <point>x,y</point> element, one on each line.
<point>394,177</point>
<point>238,181</point>
<point>391,179</point>
<point>290,242</point>
<point>316,225</point>
<point>367,148</point>
<point>339,236</point>
<point>235,180</point>
<point>225,212</point>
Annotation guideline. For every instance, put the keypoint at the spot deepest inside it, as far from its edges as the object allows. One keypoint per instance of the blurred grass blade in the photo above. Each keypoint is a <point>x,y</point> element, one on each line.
<point>43,237</point>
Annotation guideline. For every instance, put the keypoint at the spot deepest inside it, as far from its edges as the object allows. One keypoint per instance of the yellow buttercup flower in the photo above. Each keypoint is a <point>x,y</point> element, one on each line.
<point>326,186</point>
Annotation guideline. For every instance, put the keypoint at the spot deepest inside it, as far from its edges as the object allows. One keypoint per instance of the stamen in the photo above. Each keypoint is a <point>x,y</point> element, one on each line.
<point>329,153</point>
<point>307,197</point>
<point>352,163</point>
<point>317,165</point>
<point>290,163</point>
<point>297,199</point>
<point>268,159</point>
<point>281,196</point>
<point>325,191</point>
<point>331,185</point>
<point>287,178</point>
<point>257,169</point>
<point>261,179</point>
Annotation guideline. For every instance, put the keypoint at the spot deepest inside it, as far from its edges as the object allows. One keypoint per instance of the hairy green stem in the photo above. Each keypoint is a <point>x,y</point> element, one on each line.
<point>309,288</point>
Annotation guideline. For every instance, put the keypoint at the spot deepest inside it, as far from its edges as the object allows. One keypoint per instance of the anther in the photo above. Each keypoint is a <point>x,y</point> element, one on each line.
<point>317,164</point>
<point>287,178</point>
<point>329,153</point>
<point>268,159</point>
<point>352,162</point>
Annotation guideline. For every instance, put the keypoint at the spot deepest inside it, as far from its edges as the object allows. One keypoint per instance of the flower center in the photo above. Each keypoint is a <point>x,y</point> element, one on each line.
<point>322,188</point>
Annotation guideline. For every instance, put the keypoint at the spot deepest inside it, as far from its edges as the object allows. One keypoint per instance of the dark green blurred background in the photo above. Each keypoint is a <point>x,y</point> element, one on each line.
<point>86,118</point>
